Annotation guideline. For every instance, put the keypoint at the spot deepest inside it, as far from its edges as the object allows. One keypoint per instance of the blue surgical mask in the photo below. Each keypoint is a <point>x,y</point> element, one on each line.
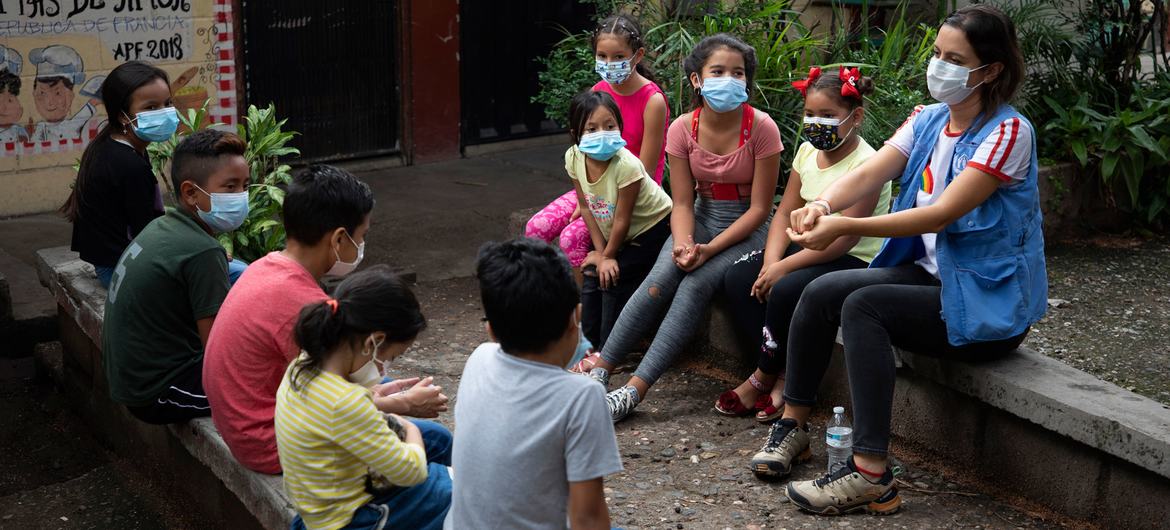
<point>615,72</point>
<point>601,145</point>
<point>156,125</point>
<point>228,210</point>
<point>583,347</point>
<point>724,94</point>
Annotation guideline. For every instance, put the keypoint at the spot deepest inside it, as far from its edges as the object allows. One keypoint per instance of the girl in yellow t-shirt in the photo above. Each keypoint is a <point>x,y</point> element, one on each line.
<point>764,286</point>
<point>346,465</point>
<point>628,215</point>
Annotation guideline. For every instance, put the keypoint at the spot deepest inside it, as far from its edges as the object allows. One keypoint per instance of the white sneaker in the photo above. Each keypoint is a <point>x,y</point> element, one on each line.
<point>622,402</point>
<point>601,375</point>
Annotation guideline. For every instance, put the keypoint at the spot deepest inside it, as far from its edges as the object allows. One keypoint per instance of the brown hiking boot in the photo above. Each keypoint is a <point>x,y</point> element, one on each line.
<point>845,490</point>
<point>787,445</point>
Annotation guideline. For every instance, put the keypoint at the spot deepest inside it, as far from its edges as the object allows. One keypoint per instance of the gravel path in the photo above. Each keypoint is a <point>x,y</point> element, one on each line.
<point>1109,312</point>
<point>686,467</point>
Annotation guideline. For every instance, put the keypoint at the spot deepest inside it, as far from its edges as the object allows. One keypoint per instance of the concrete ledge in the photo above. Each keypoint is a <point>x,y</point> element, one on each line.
<point>191,458</point>
<point>1064,400</point>
<point>27,312</point>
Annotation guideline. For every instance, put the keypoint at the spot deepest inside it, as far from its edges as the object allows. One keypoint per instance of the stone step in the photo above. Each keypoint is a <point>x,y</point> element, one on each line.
<point>27,309</point>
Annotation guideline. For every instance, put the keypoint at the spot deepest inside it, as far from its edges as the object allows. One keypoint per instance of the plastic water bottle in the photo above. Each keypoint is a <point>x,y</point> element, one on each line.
<point>839,439</point>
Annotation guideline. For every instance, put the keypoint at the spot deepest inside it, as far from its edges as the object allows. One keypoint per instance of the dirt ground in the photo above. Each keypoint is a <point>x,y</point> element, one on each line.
<point>1109,312</point>
<point>686,467</point>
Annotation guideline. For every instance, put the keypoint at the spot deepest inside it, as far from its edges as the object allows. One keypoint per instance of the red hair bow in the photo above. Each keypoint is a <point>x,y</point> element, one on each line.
<point>849,78</point>
<point>802,86</point>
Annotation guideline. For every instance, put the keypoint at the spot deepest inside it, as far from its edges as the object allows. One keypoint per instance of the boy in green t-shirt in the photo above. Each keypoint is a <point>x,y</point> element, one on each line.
<point>169,283</point>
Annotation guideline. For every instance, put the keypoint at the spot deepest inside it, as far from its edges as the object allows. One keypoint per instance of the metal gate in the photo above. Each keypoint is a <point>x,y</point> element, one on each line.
<point>331,68</point>
<point>500,42</point>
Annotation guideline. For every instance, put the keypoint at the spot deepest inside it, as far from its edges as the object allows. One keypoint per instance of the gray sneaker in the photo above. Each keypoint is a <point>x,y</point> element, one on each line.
<point>787,445</point>
<point>844,491</point>
<point>622,402</point>
<point>601,375</point>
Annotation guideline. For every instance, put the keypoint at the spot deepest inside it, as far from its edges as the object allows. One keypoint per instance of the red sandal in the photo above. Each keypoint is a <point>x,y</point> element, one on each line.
<point>729,404</point>
<point>769,412</point>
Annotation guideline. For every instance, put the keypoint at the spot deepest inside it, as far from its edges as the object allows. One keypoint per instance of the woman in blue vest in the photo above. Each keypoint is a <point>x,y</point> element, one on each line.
<point>962,276</point>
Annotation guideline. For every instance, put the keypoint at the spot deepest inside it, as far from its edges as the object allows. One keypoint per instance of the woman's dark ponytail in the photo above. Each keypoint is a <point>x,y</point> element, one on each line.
<point>365,302</point>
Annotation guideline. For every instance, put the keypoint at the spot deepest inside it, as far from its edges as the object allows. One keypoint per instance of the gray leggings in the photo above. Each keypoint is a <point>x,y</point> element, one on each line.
<point>681,295</point>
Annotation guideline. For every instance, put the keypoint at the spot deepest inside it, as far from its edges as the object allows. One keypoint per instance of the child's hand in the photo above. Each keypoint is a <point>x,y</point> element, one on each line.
<point>804,219</point>
<point>576,213</point>
<point>684,252</point>
<point>694,258</point>
<point>425,400</point>
<point>393,387</point>
<point>769,275</point>
<point>826,231</point>
<point>593,258</point>
<point>608,271</point>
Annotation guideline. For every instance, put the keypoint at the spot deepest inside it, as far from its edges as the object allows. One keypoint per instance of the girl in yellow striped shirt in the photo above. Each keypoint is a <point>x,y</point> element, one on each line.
<point>346,465</point>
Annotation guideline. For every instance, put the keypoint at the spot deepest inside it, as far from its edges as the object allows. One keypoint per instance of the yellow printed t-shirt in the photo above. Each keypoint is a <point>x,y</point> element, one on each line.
<point>330,436</point>
<point>814,181</point>
<point>652,206</point>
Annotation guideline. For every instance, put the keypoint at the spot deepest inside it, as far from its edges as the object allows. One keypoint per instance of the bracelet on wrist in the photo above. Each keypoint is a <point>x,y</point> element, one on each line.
<point>823,204</point>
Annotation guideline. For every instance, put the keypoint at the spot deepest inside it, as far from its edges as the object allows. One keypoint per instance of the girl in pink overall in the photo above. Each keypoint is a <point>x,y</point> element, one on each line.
<point>617,45</point>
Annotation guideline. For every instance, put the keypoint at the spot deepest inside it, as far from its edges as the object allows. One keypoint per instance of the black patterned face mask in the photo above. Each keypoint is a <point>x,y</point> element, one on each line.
<point>824,133</point>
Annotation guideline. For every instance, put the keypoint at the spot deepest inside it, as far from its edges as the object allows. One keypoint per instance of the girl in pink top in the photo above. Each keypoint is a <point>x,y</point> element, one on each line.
<point>724,161</point>
<point>617,46</point>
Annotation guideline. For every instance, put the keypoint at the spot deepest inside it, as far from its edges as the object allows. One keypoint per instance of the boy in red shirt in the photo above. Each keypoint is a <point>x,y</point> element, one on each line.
<point>326,216</point>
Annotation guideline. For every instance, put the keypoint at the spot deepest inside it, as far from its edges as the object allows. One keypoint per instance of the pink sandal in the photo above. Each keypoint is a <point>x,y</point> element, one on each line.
<point>587,363</point>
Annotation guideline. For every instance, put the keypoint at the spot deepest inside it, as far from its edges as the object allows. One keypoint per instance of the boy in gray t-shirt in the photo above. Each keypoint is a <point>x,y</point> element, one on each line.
<point>532,441</point>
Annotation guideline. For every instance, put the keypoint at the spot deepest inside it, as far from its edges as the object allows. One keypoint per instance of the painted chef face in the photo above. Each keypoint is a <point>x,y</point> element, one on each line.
<point>53,98</point>
<point>10,109</point>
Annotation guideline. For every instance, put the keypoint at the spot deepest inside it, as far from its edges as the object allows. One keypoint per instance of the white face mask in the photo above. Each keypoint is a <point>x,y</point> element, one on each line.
<point>948,82</point>
<point>370,373</point>
<point>341,268</point>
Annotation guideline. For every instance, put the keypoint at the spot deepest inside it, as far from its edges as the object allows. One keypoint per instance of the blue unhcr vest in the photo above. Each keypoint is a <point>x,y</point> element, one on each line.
<point>991,260</point>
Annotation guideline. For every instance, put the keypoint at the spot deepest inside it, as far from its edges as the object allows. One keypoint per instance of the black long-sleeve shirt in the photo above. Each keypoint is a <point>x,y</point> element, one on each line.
<point>119,198</point>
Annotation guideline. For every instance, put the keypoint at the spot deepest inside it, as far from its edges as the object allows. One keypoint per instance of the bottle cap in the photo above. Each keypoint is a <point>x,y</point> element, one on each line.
<point>838,410</point>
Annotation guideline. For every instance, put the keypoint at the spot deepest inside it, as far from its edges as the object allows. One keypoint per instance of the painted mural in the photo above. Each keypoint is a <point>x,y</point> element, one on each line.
<point>54,55</point>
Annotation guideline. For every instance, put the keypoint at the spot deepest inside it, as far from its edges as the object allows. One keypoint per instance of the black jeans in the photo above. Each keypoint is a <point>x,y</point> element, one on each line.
<point>750,316</point>
<point>183,400</point>
<point>600,307</point>
<point>875,308</point>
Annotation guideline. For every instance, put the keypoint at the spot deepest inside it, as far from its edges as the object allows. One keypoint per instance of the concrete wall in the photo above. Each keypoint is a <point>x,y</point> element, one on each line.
<point>44,130</point>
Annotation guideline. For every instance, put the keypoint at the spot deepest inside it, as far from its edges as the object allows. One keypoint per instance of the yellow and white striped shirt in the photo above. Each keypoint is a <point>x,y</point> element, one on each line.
<point>329,435</point>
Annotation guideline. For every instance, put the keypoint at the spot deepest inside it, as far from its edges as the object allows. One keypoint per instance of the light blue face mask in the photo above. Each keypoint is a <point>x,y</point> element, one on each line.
<point>228,210</point>
<point>615,72</point>
<point>724,94</point>
<point>601,145</point>
<point>156,125</point>
<point>583,347</point>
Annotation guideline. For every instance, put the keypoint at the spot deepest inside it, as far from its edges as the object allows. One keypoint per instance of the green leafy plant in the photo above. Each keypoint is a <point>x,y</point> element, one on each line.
<point>896,60</point>
<point>1130,146</point>
<point>262,232</point>
<point>1087,89</point>
<point>567,71</point>
<point>785,49</point>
